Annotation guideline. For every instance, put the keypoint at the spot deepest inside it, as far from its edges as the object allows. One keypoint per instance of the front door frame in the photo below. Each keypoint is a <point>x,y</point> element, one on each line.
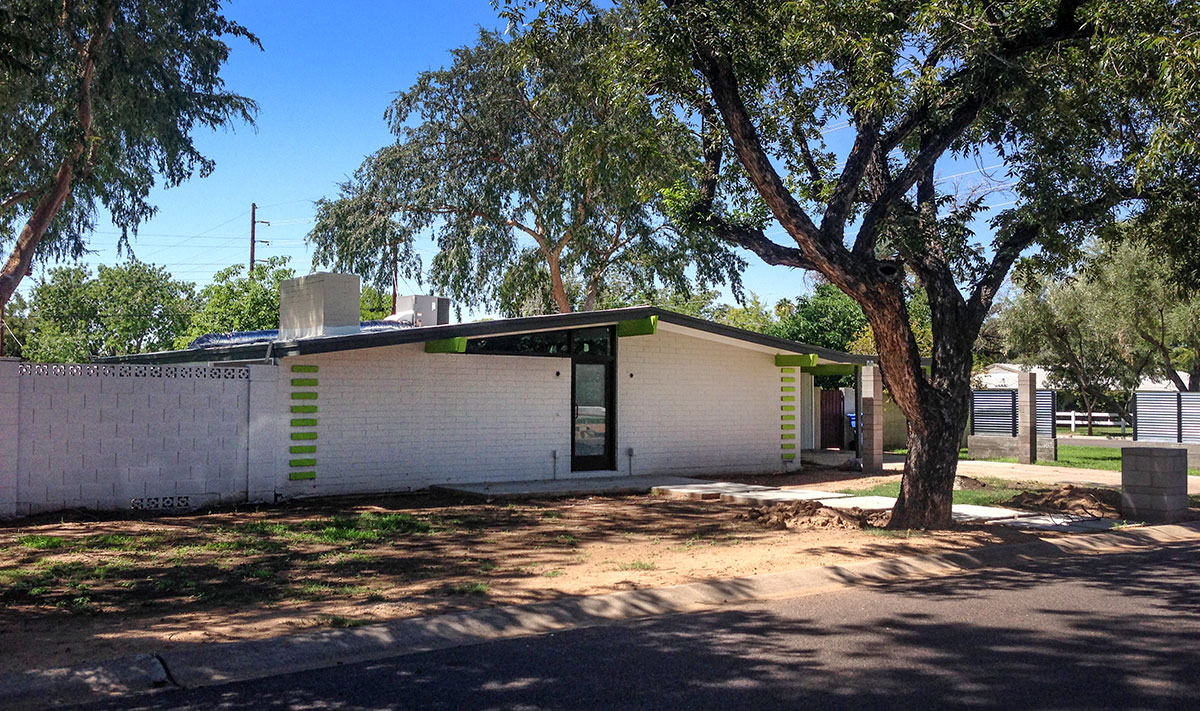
<point>606,461</point>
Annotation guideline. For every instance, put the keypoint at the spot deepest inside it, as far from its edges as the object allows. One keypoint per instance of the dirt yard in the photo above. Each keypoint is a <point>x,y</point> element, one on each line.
<point>85,589</point>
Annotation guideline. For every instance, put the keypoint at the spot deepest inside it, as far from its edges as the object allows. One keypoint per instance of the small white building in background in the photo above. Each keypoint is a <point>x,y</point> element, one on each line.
<point>999,376</point>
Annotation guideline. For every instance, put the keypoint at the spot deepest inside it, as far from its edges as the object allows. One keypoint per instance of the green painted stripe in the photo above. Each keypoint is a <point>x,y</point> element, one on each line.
<point>301,409</point>
<point>787,370</point>
<point>304,396</point>
<point>302,449</point>
<point>447,345</point>
<point>787,398</point>
<point>787,388</point>
<point>304,368</point>
<point>787,417</point>
<point>304,435</point>
<point>788,457</point>
<point>304,422</point>
<point>796,359</point>
<point>787,427</point>
<point>787,436</point>
<point>787,408</point>
<point>787,445</point>
<point>296,476</point>
<point>302,462</point>
<point>638,327</point>
<point>787,379</point>
<point>303,382</point>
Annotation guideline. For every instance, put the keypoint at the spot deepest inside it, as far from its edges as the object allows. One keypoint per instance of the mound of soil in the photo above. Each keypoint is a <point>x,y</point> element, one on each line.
<point>1082,500</point>
<point>968,483</point>
<point>812,514</point>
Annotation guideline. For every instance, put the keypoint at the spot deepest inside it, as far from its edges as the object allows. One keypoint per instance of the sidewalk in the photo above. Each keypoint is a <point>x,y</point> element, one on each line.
<point>1047,474</point>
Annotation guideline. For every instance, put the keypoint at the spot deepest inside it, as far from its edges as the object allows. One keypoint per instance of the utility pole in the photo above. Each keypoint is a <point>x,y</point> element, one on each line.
<point>254,221</point>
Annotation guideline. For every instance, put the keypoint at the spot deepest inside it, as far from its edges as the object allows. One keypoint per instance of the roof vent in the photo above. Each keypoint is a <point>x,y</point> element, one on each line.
<point>322,304</point>
<point>421,310</point>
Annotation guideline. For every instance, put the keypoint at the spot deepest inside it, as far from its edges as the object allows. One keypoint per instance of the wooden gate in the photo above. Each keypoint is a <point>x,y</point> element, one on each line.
<point>833,419</point>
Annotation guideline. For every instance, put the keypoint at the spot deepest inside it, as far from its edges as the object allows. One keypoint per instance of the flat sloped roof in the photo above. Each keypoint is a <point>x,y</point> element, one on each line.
<point>527,324</point>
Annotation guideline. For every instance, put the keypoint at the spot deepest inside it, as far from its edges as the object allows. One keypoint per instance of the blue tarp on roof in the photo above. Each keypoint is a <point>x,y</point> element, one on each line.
<point>243,338</point>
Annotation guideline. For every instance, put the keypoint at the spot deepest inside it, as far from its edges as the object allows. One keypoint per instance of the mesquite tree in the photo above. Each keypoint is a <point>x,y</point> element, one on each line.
<point>539,174</point>
<point>1089,107</point>
<point>99,99</point>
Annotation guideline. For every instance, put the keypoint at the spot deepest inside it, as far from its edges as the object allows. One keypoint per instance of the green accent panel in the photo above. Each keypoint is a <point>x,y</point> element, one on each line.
<point>787,388</point>
<point>788,457</point>
<point>787,370</point>
<point>302,462</point>
<point>304,396</point>
<point>304,368</point>
<point>796,359</point>
<point>301,409</point>
<point>296,476</point>
<point>787,408</point>
<point>787,427</point>
<point>787,398</point>
<point>447,345</point>
<point>304,382</point>
<point>638,327</point>
<point>787,445</point>
<point>304,422</point>
<point>304,435</point>
<point>787,436</point>
<point>302,449</point>
<point>787,379</point>
<point>830,369</point>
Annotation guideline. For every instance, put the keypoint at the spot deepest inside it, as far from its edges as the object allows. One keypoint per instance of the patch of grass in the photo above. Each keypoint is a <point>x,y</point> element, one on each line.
<point>476,588</point>
<point>364,527</point>
<point>42,543</point>
<point>889,533</point>
<point>567,540</point>
<point>109,541</point>
<point>341,621</point>
<point>552,573</point>
<point>637,565</point>
<point>998,490</point>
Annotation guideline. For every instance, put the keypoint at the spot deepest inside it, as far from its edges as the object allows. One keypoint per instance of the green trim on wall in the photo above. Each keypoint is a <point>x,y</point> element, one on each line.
<point>830,369</point>
<point>796,359</point>
<point>787,370</point>
<point>787,398</point>
<point>787,417</point>
<point>302,449</point>
<point>787,408</point>
<point>303,409</point>
<point>638,327</point>
<point>787,379</point>
<point>787,435</point>
<point>304,422</point>
<point>311,462</point>
<point>787,456</point>
<point>787,427</point>
<point>304,435</point>
<point>304,395</point>
<point>304,382</point>
<point>457,344</point>
<point>787,388</point>
<point>305,368</point>
<point>297,476</point>
<point>787,445</point>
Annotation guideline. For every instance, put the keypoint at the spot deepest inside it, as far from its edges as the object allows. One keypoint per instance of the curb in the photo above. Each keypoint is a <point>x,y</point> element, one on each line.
<point>241,661</point>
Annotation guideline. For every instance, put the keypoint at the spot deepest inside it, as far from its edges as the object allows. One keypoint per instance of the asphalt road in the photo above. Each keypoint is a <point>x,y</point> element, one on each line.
<point>1109,631</point>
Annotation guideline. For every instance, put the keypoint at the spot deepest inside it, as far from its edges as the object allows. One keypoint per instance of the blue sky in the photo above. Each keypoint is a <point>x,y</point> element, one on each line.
<point>326,73</point>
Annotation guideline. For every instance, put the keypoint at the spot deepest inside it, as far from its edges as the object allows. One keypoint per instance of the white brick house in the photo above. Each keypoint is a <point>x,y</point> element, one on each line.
<point>627,391</point>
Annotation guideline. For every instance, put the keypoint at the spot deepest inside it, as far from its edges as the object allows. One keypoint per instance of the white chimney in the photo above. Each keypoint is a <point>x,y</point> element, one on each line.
<point>322,304</point>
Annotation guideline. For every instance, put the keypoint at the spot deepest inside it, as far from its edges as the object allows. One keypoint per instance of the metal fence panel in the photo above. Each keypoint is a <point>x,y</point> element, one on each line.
<point>1156,417</point>
<point>1047,413</point>
<point>994,412</point>
<point>1189,417</point>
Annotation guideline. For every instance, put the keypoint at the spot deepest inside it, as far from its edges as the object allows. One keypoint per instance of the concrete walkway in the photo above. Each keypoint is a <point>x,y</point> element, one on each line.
<point>591,486</point>
<point>1046,474</point>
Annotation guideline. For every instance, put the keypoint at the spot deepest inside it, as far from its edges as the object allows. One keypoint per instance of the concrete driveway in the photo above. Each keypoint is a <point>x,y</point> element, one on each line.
<point>1047,474</point>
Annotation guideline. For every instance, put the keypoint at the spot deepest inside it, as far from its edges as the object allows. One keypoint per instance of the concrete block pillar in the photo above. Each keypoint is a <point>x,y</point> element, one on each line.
<point>1026,418</point>
<point>10,407</point>
<point>267,434</point>
<point>870,419</point>
<point>1154,484</point>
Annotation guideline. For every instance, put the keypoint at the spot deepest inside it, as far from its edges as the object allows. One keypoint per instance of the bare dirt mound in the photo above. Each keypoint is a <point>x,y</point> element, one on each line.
<point>812,514</point>
<point>1082,500</point>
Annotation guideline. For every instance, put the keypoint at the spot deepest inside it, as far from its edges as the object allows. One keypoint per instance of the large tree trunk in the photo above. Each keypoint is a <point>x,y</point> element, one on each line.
<point>557,288</point>
<point>926,491</point>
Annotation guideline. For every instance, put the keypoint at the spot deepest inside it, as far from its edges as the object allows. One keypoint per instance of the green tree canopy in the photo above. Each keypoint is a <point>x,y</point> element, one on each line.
<point>539,173</point>
<point>128,308</point>
<point>14,326</point>
<point>827,318</point>
<point>237,301</point>
<point>1091,107</point>
<point>99,99</point>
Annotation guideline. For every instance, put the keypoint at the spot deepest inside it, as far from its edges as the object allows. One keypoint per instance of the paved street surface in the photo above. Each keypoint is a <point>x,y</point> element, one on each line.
<point>1110,631</point>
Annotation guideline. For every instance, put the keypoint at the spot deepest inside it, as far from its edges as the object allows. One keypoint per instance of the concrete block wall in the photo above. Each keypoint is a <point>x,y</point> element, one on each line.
<point>398,419</point>
<point>998,446</point>
<point>1154,484</point>
<point>695,405</point>
<point>116,437</point>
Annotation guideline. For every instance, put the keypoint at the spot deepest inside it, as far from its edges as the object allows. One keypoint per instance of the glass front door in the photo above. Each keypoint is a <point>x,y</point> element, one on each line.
<point>592,400</point>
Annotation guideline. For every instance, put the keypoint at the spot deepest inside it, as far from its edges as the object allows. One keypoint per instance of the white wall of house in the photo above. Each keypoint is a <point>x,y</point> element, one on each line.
<point>696,405</point>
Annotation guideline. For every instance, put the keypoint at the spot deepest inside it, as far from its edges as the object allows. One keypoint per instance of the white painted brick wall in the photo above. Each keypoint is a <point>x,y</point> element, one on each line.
<point>398,419</point>
<point>696,406</point>
<point>98,441</point>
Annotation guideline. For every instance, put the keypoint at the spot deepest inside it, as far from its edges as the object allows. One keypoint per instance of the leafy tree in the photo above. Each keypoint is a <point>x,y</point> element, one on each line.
<point>827,318</point>
<point>1090,106</point>
<point>1065,326</point>
<point>238,302</point>
<point>99,99</point>
<point>539,174</point>
<point>374,304</point>
<point>14,327</point>
<point>1142,301</point>
<point>129,308</point>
